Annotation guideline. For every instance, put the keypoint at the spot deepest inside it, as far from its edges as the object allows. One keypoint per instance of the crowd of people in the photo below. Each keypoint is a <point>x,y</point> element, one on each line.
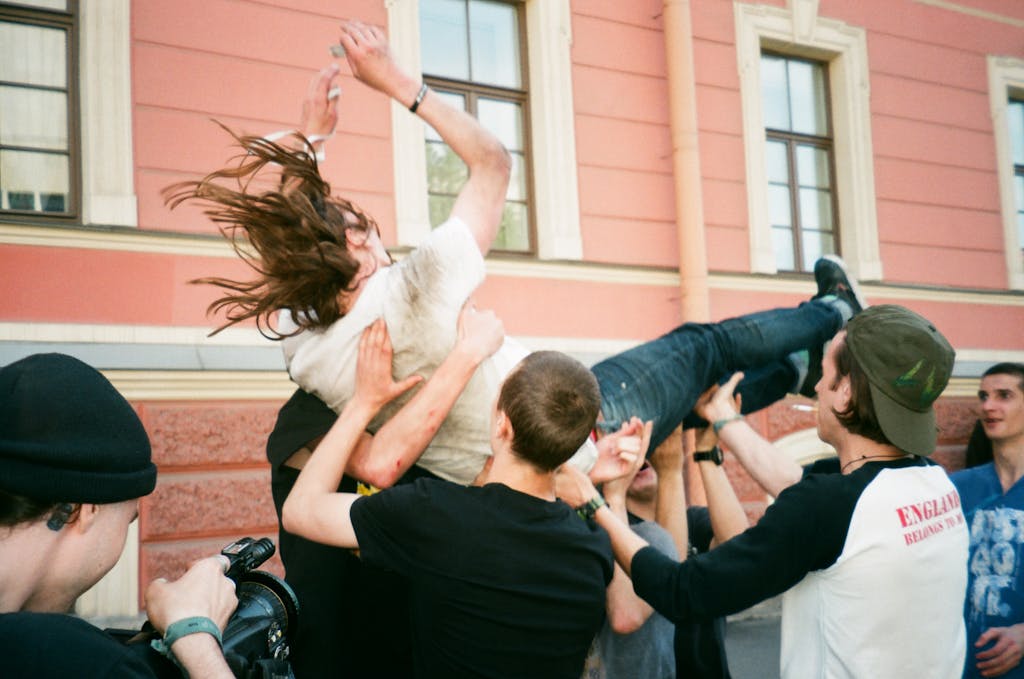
<point>452,505</point>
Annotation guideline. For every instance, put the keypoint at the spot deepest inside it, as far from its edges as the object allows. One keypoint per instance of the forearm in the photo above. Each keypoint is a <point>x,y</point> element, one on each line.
<point>314,509</point>
<point>670,509</point>
<point>200,656</point>
<point>396,446</point>
<point>771,470</point>
<point>626,611</point>
<point>625,543</point>
<point>727,516</point>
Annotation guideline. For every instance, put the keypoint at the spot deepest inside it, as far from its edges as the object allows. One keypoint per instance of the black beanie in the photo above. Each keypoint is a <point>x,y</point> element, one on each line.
<point>66,435</point>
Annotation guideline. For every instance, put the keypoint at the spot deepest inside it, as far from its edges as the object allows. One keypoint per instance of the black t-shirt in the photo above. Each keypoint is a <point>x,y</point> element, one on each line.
<point>502,584</point>
<point>50,645</point>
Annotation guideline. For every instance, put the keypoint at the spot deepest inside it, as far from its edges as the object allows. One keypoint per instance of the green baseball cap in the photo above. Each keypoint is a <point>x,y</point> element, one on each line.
<point>908,363</point>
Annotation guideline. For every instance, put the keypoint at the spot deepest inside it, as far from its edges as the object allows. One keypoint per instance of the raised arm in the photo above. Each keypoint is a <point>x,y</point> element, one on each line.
<point>383,458</point>
<point>771,470</point>
<point>482,198</point>
<point>670,507</point>
<point>727,516</point>
<point>314,509</point>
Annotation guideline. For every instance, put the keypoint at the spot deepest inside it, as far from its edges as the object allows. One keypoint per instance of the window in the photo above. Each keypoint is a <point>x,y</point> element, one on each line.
<point>1015,118</point>
<point>799,161</point>
<point>473,56</point>
<point>800,39</point>
<point>38,131</point>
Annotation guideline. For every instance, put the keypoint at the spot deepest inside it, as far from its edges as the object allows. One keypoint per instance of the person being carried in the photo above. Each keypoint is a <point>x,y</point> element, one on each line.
<point>843,547</point>
<point>324,274</point>
<point>505,580</point>
<point>74,461</point>
<point>993,501</point>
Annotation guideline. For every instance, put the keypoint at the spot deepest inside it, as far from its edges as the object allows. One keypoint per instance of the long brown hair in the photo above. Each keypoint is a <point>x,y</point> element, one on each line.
<point>295,233</point>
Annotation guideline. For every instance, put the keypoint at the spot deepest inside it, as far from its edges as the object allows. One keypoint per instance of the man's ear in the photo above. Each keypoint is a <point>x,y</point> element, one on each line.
<point>503,425</point>
<point>843,393</point>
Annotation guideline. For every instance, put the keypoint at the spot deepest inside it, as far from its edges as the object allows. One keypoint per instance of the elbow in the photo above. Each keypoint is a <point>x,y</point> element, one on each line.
<point>291,515</point>
<point>379,475</point>
<point>496,161</point>
<point>625,622</point>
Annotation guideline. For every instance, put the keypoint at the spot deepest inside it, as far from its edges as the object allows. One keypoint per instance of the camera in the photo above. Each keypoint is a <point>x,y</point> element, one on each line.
<point>256,638</point>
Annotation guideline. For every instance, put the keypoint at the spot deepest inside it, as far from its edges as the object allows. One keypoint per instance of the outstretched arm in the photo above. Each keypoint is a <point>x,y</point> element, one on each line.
<point>383,458</point>
<point>727,516</point>
<point>314,510</point>
<point>771,470</point>
<point>482,198</point>
<point>670,507</point>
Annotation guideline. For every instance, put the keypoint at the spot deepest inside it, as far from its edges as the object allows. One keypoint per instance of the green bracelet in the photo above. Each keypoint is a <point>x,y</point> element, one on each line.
<point>717,426</point>
<point>184,627</point>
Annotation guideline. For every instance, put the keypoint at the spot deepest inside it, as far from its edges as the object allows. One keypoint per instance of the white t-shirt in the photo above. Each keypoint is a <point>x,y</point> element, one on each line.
<point>420,299</point>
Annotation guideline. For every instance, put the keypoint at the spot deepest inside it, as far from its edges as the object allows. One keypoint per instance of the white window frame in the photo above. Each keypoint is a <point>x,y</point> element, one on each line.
<point>797,30</point>
<point>555,189</point>
<point>1006,80</point>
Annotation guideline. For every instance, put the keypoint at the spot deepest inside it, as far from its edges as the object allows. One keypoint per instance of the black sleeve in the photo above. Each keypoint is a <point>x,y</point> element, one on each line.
<point>47,645</point>
<point>804,530</point>
<point>390,526</point>
<point>698,525</point>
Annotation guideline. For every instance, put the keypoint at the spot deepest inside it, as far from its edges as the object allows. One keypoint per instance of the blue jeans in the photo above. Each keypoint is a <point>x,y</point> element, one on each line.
<point>661,380</point>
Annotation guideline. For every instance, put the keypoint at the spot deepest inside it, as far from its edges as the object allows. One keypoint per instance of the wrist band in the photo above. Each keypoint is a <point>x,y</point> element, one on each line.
<point>717,426</point>
<point>419,98</point>
<point>587,510</point>
<point>182,628</point>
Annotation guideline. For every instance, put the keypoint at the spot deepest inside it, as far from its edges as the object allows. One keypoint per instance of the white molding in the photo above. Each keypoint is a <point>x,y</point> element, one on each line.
<point>117,593</point>
<point>130,334</point>
<point>108,188</point>
<point>1006,75</point>
<point>974,11</point>
<point>412,213</point>
<point>553,140</point>
<point>801,32</point>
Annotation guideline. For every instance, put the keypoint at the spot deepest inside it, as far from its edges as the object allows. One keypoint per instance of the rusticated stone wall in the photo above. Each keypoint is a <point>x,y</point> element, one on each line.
<point>213,484</point>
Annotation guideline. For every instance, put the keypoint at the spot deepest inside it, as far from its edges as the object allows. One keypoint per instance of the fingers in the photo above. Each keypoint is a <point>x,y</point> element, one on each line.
<point>730,386</point>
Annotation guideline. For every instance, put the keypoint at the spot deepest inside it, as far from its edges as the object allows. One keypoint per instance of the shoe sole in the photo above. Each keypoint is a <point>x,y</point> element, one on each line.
<point>854,287</point>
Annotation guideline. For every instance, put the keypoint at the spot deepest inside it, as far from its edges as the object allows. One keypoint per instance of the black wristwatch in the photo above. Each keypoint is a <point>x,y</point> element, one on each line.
<point>588,509</point>
<point>713,455</point>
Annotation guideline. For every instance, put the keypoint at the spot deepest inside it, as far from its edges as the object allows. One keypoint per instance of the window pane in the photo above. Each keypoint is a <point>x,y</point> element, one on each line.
<point>456,100</point>
<point>812,167</point>
<point>815,209</point>
<point>446,173</point>
<point>1016,120</point>
<point>503,118</point>
<point>777,162</point>
<point>22,172</point>
<point>514,233</point>
<point>33,55</point>
<point>783,240</point>
<point>780,211</point>
<point>440,208</point>
<point>517,183</point>
<point>815,244</point>
<point>45,4</point>
<point>494,43</point>
<point>774,95</point>
<point>1019,182</point>
<point>36,118</point>
<point>444,38</point>
<point>807,97</point>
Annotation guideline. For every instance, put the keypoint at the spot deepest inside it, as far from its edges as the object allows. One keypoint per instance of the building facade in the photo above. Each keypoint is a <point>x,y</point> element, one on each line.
<point>672,160</point>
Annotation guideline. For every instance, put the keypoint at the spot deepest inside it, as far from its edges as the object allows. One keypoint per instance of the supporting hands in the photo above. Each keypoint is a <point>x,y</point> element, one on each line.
<point>614,490</point>
<point>1004,654</point>
<point>481,333</point>
<point>375,385</point>
<point>618,451</point>
<point>371,61</point>
<point>717,403</point>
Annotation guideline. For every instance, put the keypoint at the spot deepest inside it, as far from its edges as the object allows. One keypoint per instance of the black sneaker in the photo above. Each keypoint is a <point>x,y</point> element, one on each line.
<point>833,279</point>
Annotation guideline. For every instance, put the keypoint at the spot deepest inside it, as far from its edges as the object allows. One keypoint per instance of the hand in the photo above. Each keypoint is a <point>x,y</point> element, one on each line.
<point>481,333</point>
<point>614,490</point>
<point>1005,653</point>
<point>202,591</point>
<point>573,486</point>
<point>618,451</point>
<point>668,457</point>
<point>320,106</point>
<point>369,57</point>
<point>375,385</point>
<point>720,402</point>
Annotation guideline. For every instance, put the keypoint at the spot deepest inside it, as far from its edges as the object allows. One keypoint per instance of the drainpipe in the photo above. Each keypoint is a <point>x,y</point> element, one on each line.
<point>693,264</point>
<point>682,88</point>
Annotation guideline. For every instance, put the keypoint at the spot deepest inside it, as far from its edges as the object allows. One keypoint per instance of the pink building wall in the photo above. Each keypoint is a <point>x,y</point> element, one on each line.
<point>246,64</point>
